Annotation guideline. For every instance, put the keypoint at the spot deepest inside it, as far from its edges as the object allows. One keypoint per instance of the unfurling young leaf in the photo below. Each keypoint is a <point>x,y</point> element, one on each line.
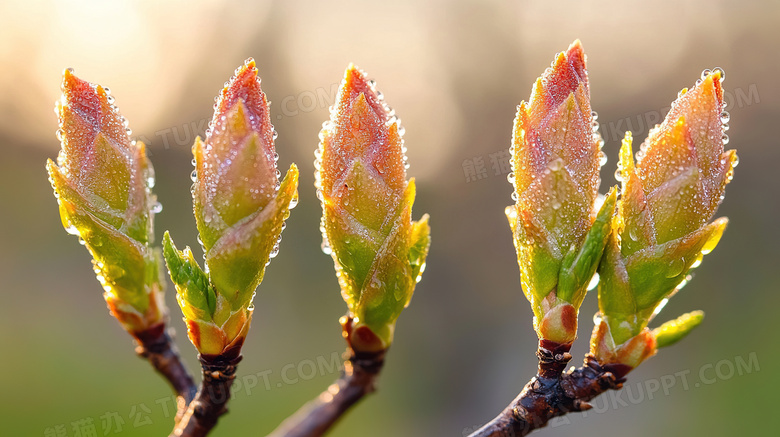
<point>661,230</point>
<point>379,253</point>
<point>240,208</point>
<point>558,233</point>
<point>102,181</point>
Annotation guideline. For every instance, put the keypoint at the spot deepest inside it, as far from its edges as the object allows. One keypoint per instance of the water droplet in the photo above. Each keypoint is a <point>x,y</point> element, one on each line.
<point>594,115</point>
<point>326,247</point>
<point>705,73</point>
<point>193,162</point>
<point>70,229</point>
<point>511,178</point>
<point>293,201</point>
<point>725,117</point>
<point>602,158</point>
<point>675,268</point>
<point>110,99</point>
<point>274,251</point>
<point>594,281</point>
<point>619,175</point>
<point>194,176</point>
<point>514,196</point>
<point>722,73</point>
<point>556,204</point>
<point>157,208</point>
<point>725,139</point>
<point>60,134</point>
<point>735,162</point>
<point>81,241</point>
<point>682,92</point>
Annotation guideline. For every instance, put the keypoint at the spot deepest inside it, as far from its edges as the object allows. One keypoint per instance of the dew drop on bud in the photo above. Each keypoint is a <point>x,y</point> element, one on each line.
<point>194,176</point>
<point>725,139</point>
<point>722,73</point>
<point>72,230</point>
<point>705,73</point>
<point>293,201</point>
<point>326,247</point>
<point>675,268</point>
<point>157,208</point>
<point>602,158</point>
<point>725,117</point>
<point>735,162</point>
<point>594,281</point>
<point>511,178</point>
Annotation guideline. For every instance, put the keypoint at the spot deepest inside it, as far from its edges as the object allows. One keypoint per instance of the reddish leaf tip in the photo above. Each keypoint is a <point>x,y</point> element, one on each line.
<point>244,86</point>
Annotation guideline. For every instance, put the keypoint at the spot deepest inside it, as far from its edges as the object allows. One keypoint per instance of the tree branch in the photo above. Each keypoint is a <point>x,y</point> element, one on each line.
<point>156,346</point>
<point>548,395</point>
<point>357,380</point>
<point>210,402</point>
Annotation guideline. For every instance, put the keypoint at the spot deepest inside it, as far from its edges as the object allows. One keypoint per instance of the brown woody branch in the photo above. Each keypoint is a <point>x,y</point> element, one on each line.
<point>357,380</point>
<point>156,346</point>
<point>550,394</point>
<point>210,402</point>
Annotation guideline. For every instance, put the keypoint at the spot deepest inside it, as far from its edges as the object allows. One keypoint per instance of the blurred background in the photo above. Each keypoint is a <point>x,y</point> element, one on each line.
<point>454,71</point>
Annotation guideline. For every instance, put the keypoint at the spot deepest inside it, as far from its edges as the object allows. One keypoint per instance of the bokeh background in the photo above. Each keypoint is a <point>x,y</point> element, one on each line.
<point>454,71</point>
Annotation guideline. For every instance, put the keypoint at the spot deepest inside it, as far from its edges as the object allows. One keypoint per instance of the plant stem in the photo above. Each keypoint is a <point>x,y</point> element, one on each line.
<point>546,397</point>
<point>210,402</point>
<point>156,345</point>
<point>357,380</point>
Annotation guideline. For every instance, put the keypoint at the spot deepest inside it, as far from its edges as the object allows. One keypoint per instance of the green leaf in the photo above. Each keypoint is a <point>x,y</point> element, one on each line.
<point>578,267</point>
<point>675,330</point>
<point>192,284</point>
